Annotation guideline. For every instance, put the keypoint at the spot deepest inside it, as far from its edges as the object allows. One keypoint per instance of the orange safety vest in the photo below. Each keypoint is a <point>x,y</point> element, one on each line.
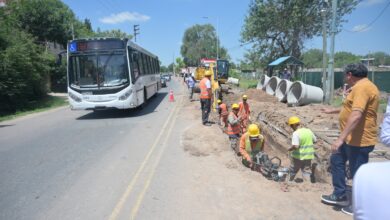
<point>233,129</point>
<point>204,94</point>
<point>224,111</point>
<point>244,109</point>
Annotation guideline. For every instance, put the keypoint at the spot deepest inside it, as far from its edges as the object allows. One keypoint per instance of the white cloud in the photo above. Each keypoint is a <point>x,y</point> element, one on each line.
<point>371,2</point>
<point>361,28</point>
<point>123,17</point>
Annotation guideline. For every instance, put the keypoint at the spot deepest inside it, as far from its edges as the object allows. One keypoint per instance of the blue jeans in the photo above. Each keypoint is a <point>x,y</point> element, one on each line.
<point>356,156</point>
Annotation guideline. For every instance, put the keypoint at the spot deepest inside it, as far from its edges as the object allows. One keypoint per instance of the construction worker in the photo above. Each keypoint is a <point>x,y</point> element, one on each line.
<point>302,149</point>
<point>251,143</point>
<point>223,113</point>
<point>233,129</point>
<point>244,112</point>
<point>205,97</point>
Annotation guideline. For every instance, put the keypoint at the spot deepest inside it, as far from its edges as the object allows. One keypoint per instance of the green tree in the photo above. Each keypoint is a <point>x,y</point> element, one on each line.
<point>280,27</point>
<point>200,41</point>
<point>380,58</point>
<point>88,24</point>
<point>342,58</point>
<point>117,33</point>
<point>312,58</point>
<point>47,20</point>
<point>24,70</point>
<point>252,60</point>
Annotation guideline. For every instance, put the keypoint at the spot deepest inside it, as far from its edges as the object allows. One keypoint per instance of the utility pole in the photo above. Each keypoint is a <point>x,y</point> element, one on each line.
<point>330,80</point>
<point>136,31</point>
<point>324,41</point>
<point>217,38</point>
<point>72,32</point>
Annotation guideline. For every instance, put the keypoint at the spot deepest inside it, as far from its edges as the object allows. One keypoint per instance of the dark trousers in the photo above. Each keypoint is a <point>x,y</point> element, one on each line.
<point>356,156</point>
<point>205,105</point>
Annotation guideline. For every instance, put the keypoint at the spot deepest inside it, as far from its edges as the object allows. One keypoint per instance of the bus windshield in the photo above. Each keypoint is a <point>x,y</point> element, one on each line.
<point>98,70</point>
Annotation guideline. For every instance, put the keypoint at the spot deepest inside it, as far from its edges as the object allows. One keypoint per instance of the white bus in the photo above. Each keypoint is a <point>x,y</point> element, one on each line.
<point>110,73</point>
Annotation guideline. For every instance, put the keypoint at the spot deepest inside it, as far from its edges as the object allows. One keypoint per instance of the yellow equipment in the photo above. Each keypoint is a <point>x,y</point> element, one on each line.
<point>293,120</point>
<point>219,101</point>
<point>245,97</point>
<point>253,130</point>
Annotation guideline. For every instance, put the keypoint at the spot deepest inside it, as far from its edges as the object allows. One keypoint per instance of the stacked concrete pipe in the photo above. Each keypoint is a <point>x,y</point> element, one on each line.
<point>271,85</point>
<point>282,89</point>
<point>303,94</point>
<point>234,81</point>
<point>263,82</point>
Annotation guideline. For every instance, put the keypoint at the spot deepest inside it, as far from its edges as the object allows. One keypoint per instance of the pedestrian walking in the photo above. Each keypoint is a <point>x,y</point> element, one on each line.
<point>190,84</point>
<point>358,136</point>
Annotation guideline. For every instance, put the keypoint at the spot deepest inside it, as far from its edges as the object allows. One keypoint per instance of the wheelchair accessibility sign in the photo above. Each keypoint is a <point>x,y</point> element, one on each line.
<point>73,47</point>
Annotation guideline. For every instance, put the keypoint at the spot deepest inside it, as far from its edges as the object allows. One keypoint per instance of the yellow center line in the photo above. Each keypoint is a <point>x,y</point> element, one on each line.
<point>130,187</point>
<point>135,209</point>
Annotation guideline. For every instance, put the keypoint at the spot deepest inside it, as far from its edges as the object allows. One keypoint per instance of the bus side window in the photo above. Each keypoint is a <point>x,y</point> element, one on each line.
<point>149,65</point>
<point>145,64</point>
<point>141,64</point>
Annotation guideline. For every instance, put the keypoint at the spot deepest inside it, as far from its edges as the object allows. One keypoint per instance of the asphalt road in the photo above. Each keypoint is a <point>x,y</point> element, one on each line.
<point>65,164</point>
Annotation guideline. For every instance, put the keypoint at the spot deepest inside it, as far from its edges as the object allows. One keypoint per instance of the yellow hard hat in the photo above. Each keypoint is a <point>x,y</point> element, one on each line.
<point>219,101</point>
<point>207,73</point>
<point>254,130</point>
<point>235,106</point>
<point>293,120</point>
<point>244,97</point>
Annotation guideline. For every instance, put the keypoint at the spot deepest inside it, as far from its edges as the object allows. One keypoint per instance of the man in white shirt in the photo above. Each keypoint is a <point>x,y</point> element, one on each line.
<point>371,183</point>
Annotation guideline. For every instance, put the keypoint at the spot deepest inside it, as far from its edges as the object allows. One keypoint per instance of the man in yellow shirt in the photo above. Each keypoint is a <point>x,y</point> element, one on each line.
<point>358,132</point>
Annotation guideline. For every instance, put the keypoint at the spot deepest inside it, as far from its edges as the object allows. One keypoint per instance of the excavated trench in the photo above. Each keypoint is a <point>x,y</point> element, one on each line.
<point>272,116</point>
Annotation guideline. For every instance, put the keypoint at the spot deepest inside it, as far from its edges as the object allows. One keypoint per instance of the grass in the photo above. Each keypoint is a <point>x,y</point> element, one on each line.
<point>44,104</point>
<point>248,83</point>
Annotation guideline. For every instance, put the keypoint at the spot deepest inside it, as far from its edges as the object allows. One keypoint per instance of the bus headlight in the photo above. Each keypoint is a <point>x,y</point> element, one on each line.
<point>74,97</point>
<point>125,96</point>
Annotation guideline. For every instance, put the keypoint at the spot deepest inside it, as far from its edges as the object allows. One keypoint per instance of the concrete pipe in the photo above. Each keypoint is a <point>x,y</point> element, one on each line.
<point>232,80</point>
<point>282,89</point>
<point>271,85</point>
<point>263,82</point>
<point>302,94</point>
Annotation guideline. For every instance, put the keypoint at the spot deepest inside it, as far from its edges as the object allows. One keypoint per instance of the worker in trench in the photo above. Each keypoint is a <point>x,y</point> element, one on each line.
<point>223,113</point>
<point>302,149</point>
<point>251,143</point>
<point>244,113</point>
<point>233,129</point>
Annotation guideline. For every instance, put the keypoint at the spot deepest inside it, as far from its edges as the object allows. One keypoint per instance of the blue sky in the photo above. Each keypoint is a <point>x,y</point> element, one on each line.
<point>163,22</point>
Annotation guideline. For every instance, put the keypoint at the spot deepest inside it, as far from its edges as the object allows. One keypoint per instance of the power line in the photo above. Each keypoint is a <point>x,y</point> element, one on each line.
<point>372,22</point>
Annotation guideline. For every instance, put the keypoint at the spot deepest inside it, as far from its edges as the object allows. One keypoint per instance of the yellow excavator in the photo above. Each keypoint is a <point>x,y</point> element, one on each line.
<point>219,74</point>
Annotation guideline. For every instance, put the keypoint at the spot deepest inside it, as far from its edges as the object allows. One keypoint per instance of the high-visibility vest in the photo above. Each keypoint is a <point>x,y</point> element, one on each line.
<point>233,129</point>
<point>244,109</point>
<point>248,147</point>
<point>306,149</point>
<point>224,111</point>
<point>204,94</point>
